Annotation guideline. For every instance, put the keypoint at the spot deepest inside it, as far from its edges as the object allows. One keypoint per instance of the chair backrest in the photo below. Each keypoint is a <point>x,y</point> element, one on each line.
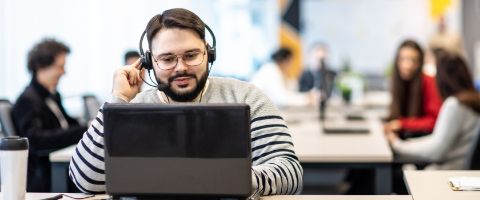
<point>473,156</point>
<point>91,106</point>
<point>6,119</point>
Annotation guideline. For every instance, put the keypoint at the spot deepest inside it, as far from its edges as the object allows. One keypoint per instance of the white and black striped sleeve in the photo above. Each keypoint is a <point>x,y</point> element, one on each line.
<point>87,166</point>
<point>276,169</point>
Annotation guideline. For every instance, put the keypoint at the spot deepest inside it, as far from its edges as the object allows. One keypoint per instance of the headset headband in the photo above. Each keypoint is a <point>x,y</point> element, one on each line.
<point>140,46</point>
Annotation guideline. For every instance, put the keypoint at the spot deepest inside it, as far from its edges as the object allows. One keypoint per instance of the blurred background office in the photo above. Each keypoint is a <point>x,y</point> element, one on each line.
<point>272,78</point>
<point>361,34</point>
<point>358,39</point>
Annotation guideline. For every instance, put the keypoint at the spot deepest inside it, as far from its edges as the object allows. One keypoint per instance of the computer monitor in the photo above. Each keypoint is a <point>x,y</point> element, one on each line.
<point>186,150</point>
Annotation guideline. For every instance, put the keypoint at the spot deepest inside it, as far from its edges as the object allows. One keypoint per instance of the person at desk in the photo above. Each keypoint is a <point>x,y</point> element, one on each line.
<point>179,60</point>
<point>130,57</point>
<point>39,114</point>
<point>318,76</point>
<point>272,79</point>
<point>415,99</point>
<point>457,124</point>
<point>318,79</point>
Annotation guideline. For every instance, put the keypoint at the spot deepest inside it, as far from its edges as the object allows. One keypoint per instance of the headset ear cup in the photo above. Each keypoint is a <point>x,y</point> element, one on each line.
<point>147,61</point>
<point>211,52</point>
<point>144,63</point>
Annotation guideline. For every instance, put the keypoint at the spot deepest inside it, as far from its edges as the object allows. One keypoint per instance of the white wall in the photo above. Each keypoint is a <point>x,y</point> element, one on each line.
<point>100,32</point>
<point>367,32</point>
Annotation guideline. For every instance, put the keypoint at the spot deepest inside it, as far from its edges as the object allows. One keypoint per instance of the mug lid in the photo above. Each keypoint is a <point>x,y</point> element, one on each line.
<point>14,143</point>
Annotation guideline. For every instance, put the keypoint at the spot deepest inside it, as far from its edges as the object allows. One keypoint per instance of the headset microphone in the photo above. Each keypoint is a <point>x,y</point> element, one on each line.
<point>162,87</point>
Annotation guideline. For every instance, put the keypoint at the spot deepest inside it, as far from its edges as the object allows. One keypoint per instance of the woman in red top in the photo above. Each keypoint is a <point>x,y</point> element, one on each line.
<point>415,99</point>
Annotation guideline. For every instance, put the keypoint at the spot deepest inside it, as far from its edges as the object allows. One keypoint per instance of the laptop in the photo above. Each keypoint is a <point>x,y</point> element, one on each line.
<point>181,151</point>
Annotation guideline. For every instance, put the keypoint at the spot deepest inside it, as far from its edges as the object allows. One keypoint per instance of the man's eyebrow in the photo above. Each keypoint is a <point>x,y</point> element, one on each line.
<point>193,50</point>
<point>187,51</point>
<point>165,54</point>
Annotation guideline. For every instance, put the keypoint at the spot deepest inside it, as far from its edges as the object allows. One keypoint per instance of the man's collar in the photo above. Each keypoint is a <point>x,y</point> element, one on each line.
<point>42,91</point>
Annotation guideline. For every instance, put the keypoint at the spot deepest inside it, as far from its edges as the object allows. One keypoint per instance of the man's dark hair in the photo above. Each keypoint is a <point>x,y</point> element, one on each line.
<point>131,54</point>
<point>43,54</point>
<point>175,18</point>
<point>281,55</point>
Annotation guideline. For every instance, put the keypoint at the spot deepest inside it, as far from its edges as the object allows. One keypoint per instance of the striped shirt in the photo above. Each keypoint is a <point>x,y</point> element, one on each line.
<point>275,166</point>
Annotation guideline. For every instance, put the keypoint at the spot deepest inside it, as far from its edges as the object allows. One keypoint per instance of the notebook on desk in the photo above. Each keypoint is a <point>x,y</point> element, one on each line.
<point>465,183</point>
<point>182,151</point>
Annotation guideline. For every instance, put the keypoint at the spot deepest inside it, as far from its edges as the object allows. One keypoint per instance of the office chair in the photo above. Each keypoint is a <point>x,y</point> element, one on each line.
<point>91,106</point>
<point>473,156</point>
<point>6,119</point>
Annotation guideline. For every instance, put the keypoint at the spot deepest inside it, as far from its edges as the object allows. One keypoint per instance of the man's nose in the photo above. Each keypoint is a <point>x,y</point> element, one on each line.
<point>180,65</point>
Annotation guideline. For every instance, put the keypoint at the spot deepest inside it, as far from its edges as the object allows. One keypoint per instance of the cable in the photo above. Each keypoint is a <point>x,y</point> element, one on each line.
<point>149,76</point>
<point>88,196</point>
<point>60,196</point>
<point>146,81</point>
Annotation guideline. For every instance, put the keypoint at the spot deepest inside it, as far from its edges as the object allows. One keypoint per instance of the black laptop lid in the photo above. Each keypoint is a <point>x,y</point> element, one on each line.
<point>187,149</point>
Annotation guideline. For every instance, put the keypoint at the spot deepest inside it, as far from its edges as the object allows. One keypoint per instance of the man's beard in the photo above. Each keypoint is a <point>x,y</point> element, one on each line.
<point>188,96</point>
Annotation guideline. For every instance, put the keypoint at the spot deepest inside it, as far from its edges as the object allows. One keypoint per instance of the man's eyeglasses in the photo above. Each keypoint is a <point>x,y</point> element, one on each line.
<point>191,59</point>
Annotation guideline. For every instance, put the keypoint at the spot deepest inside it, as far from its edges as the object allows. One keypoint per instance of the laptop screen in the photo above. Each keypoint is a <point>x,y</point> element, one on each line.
<point>201,131</point>
<point>206,144</point>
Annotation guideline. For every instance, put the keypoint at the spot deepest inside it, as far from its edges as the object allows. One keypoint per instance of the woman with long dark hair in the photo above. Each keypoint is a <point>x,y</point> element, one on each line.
<point>415,100</point>
<point>458,121</point>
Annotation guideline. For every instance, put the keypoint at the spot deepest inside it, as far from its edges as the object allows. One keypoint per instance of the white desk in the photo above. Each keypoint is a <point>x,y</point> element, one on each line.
<point>338,197</point>
<point>316,149</point>
<point>314,146</point>
<point>36,196</point>
<point>428,185</point>
<point>62,155</point>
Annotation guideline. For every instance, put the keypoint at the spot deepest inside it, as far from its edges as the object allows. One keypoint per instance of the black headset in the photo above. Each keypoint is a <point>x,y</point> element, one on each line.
<point>147,55</point>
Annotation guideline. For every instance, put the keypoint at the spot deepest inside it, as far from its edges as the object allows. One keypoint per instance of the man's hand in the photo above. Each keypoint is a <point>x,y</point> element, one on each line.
<point>127,81</point>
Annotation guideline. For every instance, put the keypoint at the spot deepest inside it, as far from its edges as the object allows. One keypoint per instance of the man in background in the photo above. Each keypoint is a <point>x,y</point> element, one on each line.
<point>318,74</point>
<point>318,79</point>
<point>131,57</point>
<point>39,114</point>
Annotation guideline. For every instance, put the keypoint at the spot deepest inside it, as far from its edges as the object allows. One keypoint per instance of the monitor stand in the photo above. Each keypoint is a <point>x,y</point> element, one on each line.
<point>322,107</point>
